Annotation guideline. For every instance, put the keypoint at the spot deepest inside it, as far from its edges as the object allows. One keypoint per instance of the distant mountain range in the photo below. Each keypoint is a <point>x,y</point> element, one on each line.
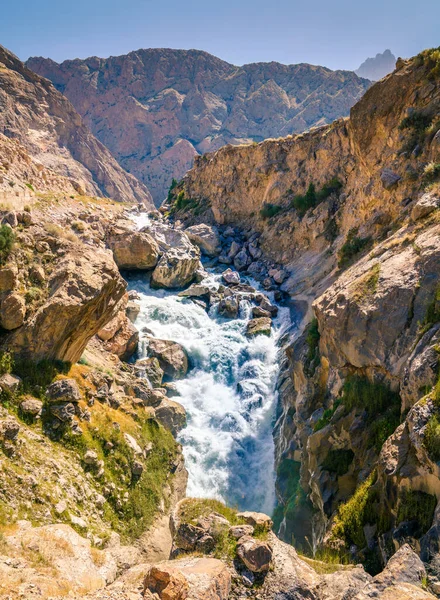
<point>156,109</point>
<point>377,67</point>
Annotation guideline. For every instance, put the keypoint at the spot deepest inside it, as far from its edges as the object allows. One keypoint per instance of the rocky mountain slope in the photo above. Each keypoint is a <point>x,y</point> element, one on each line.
<point>156,109</point>
<point>34,114</point>
<point>377,67</point>
<point>348,216</point>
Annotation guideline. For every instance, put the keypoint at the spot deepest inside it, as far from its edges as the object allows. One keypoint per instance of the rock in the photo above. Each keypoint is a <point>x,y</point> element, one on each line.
<point>37,274</point>
<point>238,531</point>
<point>228,307</point>
<point>230,277</point>
<point>258,312</point>
<point>234,250</point>
<point>254,251</point>
<point>172,357</point>
<point>176,268</point>
<point>91,458</point>
<point>196,290</point>
<point>425,206</point>
<point>8,278</point>
<point>256,519</point>
<point>171,415</point>
<point>85,289</point>
<point>187,536</point>
<point>242,260</point>
<point>278,275</point>
<point>10,218</point>
<point>12,311</point>
<point>189,579</point>
<point>9,383</point>
<point>206,238</point>
<point>133,249</point>
<point>64,412</point>
<point>63,390</point>
<point>255,554</point>
<point>132,444</point>
<point>137,468</point>
<point>125,341</point>
<point>260,326</point>
<point>389,178</point>
<point>421,368</point>
<point>152,369</point>
<point>271,308</point>
<point>132,311</point>
<point>31,407</point>
<point>9,429</point>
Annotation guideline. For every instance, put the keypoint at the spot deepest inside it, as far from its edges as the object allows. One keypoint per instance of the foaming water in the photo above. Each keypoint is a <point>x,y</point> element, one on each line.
<point>229,395</point>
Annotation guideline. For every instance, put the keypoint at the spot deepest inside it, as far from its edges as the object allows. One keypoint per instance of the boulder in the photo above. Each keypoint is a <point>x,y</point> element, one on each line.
<point>31,407</point>
<point>125,341</point>
<point>8,278</point>
<point>9,383</point>
<point>176,268</point>
<point>190,578</point>
<point>196,290</point>
<point>271,308</point>
<point>256,519</point>
<point>172,357</point>
<point>260,326</point>
<point>12,311</point>
<point>152,369</point>
<point>425,206</point>
<point>9,429</point>
<point>133,249</point>
<point>206,238</point>
<point>171,415</point>
<point>228,307</point>
<point>242,260</point>
<point>389,178</point>
<point>238,531</point>
<point>234,250</point>
<point>230,277</point>
<point>258,312</point>
<point>256,554</point>
<point>64,411</point>
<point>63,390</point>
<point>132,310</point>
<point>187,536</point>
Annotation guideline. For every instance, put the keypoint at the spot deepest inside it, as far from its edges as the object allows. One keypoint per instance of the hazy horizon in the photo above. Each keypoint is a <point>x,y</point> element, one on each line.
<point>337,35</point>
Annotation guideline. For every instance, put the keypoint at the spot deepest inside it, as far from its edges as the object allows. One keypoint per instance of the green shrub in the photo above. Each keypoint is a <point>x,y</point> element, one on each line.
<point>171,194</point>
<point>312,197</point>
<point>432,438</point>
<point>6,363</point>
<point>338,461</point>
<point>417,506</point>
<point>375,398</point>
<point>33,294</point>
<point>312,340</point>
<point>355,514</point>
<point>417,121</point>
<point>431,172</point>
<point>30,186</point>
<point>7,238</point>
<point>37,376</point>
<point>384,426</point>
<point>432,315</point>
<point>270,210</point>
<point>353,246</point>
<point>327,416</point>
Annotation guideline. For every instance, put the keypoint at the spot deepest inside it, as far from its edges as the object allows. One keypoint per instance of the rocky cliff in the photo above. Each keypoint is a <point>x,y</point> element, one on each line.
<point>157,109</point>
<point>34,114</point>
<point>346,219</point>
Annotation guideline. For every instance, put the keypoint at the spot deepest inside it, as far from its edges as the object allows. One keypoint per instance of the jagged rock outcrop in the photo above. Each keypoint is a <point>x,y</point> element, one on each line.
<point>56,139</point>
<point>157,109</point>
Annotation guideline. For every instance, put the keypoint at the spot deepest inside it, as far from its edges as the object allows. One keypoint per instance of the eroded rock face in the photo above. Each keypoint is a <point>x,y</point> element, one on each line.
<point>84,291</point>
<point>172,357</point>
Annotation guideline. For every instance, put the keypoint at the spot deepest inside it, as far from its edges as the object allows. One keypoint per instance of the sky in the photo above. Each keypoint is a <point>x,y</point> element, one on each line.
<point>339,34</point>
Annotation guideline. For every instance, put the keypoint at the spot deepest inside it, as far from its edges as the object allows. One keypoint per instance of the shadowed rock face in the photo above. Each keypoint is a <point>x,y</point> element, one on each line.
<point>47,126</point>
<point>156,109</point>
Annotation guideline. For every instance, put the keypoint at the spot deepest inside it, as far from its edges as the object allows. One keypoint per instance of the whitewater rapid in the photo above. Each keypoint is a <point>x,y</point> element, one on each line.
<point>229,394</point>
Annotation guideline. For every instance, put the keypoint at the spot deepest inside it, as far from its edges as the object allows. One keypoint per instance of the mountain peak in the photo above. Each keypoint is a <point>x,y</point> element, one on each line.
<point>377,67</point>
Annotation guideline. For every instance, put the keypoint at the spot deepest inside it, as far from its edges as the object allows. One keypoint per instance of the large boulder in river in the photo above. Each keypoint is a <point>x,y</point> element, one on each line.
<point>171,415</point>
<point>206,238</point>
<point>172,357</point>
<point>260,326</point>
<point>176,268</point>
<point>133,249</point>
<point>190,578</point>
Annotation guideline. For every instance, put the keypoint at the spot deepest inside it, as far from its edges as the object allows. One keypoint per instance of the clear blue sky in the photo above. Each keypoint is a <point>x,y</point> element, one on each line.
<point>334,33</point>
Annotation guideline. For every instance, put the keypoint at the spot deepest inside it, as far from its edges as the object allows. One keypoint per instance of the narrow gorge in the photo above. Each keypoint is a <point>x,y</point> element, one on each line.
<point>235,395</point>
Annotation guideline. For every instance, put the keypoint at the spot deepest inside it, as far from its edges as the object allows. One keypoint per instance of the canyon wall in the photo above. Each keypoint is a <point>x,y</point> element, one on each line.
<point>157,109</point>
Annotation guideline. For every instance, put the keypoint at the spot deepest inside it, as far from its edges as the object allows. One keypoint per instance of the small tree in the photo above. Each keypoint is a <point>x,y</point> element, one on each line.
<point>7,238</point>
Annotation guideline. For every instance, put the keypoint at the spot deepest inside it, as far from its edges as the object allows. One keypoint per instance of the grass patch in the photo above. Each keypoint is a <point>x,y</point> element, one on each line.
<point>431,172</point>
<point>192,509</point>
<point>352,247</point>
<point>270,210</point>
<point>417,506</point>
<point>375,398</point>
<point>367,285</point>
<point>432,438</point>
<point>327,416</point>
<point>7,238</point>
<point>338,461</point>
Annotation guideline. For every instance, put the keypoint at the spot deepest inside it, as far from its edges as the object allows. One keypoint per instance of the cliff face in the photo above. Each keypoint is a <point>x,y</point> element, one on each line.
<point>35,114</point>
<point>157,109</point>
<point>358,410</point>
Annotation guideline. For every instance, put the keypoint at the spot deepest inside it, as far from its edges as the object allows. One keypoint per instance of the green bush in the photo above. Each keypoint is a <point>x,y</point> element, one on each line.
<point>432,315</point>
<point>431,172</point>
<point>384,426</point>
<point>417,121</point>
<point>312,340</point>
<point>270,210</point>
<point>375,398</point>
<point>352,247</point>
<point>355,514</point>
<point>338,461</point>
<point>6,363</point>
<point>417,506</point>
<point>7,238</point>
<point>326,417</point>
<point>312,197</point>
<point>432,438</point>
